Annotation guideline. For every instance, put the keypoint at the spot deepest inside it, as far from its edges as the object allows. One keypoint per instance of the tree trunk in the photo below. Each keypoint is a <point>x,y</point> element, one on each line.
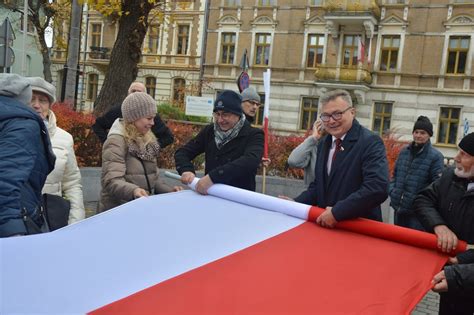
<point>125,56</point>
<point>46,59</point>
<point>34,15</point>
<point>73,53</point>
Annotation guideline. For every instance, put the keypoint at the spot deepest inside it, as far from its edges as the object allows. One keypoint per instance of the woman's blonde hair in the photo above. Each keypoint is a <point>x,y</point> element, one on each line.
<point>132,134</point>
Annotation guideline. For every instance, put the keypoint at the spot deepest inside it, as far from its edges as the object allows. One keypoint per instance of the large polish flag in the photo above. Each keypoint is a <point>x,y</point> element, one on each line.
<point>225,253</point>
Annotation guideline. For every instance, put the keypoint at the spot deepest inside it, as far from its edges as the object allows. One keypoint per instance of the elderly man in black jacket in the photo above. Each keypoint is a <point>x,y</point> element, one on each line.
<point>104,123</point>
<point>446,207</point>
<point>233,149</point>
<point>456,278</point>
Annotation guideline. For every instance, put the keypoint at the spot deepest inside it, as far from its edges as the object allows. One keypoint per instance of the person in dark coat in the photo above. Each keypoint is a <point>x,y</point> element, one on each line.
<point>446,207</point>
<point>103,124</point>
<point>233,149</point>
<point>250,103</point>
<point>457,279</point>
<point>26,158</point>
<point>417,166</point>
<point>351,177</point>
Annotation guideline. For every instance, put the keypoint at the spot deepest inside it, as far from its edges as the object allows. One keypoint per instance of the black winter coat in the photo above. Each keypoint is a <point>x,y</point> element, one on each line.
<point>235,164</point>
<point>460,279</point>
<point>446,202</point>
<point>104,123</point>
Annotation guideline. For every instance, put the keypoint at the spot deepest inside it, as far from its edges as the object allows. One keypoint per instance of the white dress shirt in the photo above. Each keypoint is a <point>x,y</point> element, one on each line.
<point>332,150</point>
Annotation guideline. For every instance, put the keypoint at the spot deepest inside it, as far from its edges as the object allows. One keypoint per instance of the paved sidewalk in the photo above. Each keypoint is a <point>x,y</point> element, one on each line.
<point>427,306</point>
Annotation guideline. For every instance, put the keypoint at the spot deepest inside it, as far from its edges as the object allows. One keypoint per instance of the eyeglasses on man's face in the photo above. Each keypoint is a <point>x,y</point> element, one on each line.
<point>336,115</point>
<point>222,115</point>
<point>254,103</point>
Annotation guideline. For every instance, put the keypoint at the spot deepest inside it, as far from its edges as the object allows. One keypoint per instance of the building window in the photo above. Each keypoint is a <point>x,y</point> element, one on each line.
<point>350,50</point>
<point>315,50</point>
<point>309,112</point>
<point>382,117</point>
<point>389,55</point>
<point>228,48</point>
<point>153,36</point>
<point>262,49</point>
<point>179,90</point>
<point>183,34</point>
<point>457,54</point>
<point>30,28</point>
<point>92,86</point>
<point>150,84</point>
<point>96,34</point>
<point>266,3</point>
<point>315,2</point>
<point>448,125</point>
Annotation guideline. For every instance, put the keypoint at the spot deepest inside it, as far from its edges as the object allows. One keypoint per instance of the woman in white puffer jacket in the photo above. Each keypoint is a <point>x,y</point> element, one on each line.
<point>65,179</point>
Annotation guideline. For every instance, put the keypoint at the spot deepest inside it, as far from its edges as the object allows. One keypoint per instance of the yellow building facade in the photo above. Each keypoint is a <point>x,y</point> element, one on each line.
<point>398,58</point>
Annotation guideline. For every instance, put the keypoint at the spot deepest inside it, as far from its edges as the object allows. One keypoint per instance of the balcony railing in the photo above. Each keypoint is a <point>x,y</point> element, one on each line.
<point>99,53</point>
<point>352,6</point>
<point>343,74</point>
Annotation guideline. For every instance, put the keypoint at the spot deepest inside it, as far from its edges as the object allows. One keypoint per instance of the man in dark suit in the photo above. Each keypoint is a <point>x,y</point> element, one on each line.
<point>351,176</point>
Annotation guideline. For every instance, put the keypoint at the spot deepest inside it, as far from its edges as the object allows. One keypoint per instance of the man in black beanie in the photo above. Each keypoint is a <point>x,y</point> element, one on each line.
<point>233,149</point>
<point>446,207</point>
<point>417,166</point>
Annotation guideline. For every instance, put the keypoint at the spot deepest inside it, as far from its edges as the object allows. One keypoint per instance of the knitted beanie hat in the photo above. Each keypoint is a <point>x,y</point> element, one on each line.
<point>250,94</point>
<point>467,144</point>
<point>229,101</point>
<point>138,105</point>
<point>425,124</point>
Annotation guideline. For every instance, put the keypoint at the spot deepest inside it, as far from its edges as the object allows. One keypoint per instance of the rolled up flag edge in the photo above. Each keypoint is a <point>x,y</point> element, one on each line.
<point>311,213</point>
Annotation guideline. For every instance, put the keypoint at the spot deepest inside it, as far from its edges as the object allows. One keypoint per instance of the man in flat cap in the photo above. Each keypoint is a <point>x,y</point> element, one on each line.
<point>233,149</point>
<point>446,207</point>
<point>417,166</point>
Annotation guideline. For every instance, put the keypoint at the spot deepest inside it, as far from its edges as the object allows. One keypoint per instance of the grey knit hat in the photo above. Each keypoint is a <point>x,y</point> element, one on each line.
<point>41,85</point>
<point>16,87</point>
<point>250,94</point>
<point>138,105</point>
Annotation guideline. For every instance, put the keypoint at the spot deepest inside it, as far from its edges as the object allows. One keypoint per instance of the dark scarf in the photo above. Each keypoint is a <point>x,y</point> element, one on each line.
<point>222,137</point>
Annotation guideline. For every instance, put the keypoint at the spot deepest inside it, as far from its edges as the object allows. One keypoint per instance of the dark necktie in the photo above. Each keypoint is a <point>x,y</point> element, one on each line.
<point>338,148</point>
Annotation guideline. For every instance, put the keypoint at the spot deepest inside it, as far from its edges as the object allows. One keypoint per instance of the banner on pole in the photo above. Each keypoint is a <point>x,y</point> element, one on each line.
<point>266,109</point>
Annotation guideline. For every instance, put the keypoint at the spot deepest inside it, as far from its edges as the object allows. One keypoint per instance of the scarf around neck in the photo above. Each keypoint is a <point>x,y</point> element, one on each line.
<point>222,137</point>
<point>150,152</point>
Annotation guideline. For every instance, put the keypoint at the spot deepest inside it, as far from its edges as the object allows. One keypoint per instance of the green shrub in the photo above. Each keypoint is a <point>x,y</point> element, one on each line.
<point>87,146</point>
<point>168,111</point>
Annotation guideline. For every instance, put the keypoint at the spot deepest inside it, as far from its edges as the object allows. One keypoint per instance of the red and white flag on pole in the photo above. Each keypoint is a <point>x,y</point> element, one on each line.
<point>361,51</point>
<point>266,84</point>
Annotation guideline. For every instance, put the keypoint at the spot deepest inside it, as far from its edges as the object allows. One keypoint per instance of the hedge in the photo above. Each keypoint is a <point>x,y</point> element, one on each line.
<point>88,147</point>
